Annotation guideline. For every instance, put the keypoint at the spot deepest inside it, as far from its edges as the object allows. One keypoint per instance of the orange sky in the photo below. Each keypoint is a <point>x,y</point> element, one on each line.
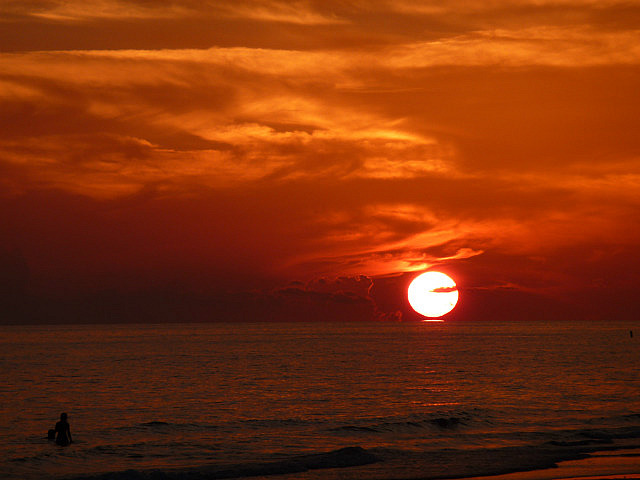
<point>195,160</point>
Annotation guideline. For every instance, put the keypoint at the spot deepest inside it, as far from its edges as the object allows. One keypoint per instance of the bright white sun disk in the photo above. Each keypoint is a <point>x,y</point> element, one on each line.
<point>433,294</point>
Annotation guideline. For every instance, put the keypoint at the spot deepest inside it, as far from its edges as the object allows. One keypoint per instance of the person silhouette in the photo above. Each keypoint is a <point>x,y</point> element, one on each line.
<point>63,432</point>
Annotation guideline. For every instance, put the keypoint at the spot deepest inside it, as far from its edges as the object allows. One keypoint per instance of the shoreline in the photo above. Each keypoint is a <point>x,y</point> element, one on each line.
<point>356,463</point>
<point>611,464</point>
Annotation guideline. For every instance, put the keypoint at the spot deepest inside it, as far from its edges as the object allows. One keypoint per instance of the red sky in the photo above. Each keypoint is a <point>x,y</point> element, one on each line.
<point>248,159</point>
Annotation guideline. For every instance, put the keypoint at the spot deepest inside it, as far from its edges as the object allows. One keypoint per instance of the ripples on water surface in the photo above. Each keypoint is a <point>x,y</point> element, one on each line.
<point>180,396</point>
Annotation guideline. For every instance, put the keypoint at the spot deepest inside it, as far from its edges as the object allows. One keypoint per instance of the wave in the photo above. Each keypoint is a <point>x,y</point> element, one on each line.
<point>271,423</point>
<point>383,463</point>
<point>611,433</point>
<point>157,426</point>
<point>341,458</point>
<point>427,462</point>
<point>161,426</point>
<point>414,444</point>
<point>437,422</point>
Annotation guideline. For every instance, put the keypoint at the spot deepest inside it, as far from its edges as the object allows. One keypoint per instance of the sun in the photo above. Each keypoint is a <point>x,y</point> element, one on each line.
<point>433,294</point>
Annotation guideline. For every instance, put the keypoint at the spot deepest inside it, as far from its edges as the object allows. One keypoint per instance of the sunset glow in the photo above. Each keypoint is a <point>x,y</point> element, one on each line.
<point>170,159</point>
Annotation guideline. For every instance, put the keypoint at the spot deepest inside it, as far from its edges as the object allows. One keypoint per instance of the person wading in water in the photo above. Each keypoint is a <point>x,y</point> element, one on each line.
<point>63,432</point>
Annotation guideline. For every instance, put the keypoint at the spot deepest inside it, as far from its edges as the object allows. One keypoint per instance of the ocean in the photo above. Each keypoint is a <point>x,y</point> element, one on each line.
<point>315,400</point>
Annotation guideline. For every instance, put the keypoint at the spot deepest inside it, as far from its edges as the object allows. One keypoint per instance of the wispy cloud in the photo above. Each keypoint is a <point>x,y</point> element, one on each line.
<point>76,11</point>
<point>299,12</point>
<point>552,46</point>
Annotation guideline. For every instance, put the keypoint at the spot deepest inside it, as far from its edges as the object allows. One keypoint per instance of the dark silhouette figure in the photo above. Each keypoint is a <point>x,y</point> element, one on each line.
<point>63,432</point>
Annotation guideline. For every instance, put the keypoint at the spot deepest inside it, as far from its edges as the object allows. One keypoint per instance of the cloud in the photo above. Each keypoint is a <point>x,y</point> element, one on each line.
<point>552,46</point>
<point>246,131</point>
<point>445,289</point>
<point>287,126</point>
<point>77,11</point>
<point>299,12</point>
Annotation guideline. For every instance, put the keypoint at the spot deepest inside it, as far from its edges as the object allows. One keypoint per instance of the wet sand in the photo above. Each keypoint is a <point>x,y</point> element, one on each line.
<point>611,465</point>
<point>520,463</point>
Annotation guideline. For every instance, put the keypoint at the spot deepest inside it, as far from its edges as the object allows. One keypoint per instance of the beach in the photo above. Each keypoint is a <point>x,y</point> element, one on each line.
<point>357,463</point>
<point>611,465</point>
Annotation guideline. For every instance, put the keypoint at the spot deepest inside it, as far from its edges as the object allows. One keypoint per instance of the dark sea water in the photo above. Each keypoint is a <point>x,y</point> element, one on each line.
<point>222,400</point>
